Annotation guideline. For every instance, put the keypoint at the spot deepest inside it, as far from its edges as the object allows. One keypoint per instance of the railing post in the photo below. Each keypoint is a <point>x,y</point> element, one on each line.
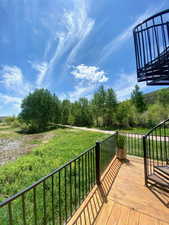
<point>145,159</point>
<point>98,163</point>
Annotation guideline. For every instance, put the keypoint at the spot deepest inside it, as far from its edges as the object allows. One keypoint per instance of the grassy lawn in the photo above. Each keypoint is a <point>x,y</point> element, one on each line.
<point>63,146</point>
<point>136,130</point>
<point>145,130</point>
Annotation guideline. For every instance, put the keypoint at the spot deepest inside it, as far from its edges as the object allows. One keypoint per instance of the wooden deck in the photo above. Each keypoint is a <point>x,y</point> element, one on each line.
<point>122,199</point>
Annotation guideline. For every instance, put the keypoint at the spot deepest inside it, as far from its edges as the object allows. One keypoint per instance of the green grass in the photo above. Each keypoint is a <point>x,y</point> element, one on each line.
<point>14,176</point>
<point>65,145</point>
<point>145,130</point>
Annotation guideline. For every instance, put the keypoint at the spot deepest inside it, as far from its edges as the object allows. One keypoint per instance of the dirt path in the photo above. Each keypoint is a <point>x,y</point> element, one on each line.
<point>139,136</point>
<point>89,129</point>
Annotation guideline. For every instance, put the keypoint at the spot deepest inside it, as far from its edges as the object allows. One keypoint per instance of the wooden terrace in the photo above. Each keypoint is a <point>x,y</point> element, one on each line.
<point>123,199</point>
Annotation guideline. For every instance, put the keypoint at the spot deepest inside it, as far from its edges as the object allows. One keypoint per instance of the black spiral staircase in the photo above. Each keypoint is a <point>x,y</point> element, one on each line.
<point>151,39</point>
<point>156,156</point>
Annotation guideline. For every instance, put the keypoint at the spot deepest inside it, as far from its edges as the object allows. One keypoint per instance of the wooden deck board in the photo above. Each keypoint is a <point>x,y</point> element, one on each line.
<point>126,202</point>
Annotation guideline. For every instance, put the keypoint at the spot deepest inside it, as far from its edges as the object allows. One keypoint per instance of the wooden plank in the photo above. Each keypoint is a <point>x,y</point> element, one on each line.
<point>124,215</point>
<point>115,215</point>
<point>163,223</point>
<point>148,220</point>
<point>134,217</point>
<point>104,214</point>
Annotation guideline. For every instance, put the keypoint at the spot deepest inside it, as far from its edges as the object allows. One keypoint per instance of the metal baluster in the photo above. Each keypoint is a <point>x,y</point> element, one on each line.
<point>60,215</point>
<point>79,180</point>
<point>53,209</point>
<point>71,188</point>
<point>44,201</point>
<point>10,213</point>
<point>34,205</point>
<point>65,174</point>
<point>23,209</point>
<point>75,185</point>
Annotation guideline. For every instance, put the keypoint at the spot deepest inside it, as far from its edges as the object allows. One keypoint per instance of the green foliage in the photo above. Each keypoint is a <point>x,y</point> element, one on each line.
<point>121,141</point>
<point>138,99</point>
<point>103,110</point>
<point>65,145</point>
<point>163,97</point>
<point>65,111</point>
<point>9,120</point>
<point>39,109</point>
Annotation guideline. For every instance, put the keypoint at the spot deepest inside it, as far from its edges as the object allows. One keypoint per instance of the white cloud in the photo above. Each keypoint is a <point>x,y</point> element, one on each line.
<point>73,28</point>
<point>42,69</point>
<point>90,73</point>
<point>11,100</point>
<point>90,77</point>
<point>125,84</point>
<point>126,34</point>
<point>12,79</point>
<point>11,76</point>
<point>82,89</point>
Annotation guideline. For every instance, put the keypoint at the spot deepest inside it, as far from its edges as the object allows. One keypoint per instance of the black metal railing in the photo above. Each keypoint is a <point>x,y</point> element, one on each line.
<point>151,40</point>
<point>134,144</point>
<point>53,199</point>
<point>156,148</point>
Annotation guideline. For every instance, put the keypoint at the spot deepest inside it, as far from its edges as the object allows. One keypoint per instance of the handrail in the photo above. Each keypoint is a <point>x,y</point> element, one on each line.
<point>155,146</point>
<point>42,179</point>
<point>151,17</point>
<point>158,125</point>
<point>67,186</point>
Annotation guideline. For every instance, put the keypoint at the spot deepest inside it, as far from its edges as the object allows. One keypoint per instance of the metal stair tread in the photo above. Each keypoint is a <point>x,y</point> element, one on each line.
<point>158,180</point>
<point>164,169</point>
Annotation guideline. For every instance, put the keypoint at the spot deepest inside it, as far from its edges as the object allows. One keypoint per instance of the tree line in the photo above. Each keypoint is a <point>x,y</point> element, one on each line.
<point>42,109</point>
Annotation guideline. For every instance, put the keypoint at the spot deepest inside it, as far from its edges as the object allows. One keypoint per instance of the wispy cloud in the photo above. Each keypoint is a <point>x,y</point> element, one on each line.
<point>74,27</point>
<point>13,80</point>
<point>15,101</point>
<point>126,34</point>
<point>125,84</point>
<point>41,68</point>
<point>81,90</point>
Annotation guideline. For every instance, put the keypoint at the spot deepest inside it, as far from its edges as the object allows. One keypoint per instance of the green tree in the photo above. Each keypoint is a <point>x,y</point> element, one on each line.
<point>65,111</point>
<point>82,113</point>
<point>99,107</point>
<point>138,99</point>
<point>110,105</point>
<point>163,97</point>
<point>39,109</point>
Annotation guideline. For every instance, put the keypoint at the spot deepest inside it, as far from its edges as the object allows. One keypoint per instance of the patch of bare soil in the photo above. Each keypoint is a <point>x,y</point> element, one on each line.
<point>11,149</point>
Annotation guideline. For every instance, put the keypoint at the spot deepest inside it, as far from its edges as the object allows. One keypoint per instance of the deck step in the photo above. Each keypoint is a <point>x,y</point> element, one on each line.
<point>158,180</point>
<point>162,171</point>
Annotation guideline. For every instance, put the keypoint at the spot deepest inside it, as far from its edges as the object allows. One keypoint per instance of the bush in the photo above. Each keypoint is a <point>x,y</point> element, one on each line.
<point>39,110</point>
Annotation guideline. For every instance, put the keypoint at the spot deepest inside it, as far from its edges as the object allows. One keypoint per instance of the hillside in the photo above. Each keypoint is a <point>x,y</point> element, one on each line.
<point>151,98</point>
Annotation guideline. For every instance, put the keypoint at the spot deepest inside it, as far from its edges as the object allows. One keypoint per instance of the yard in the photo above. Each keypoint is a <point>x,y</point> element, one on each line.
<point>42,153</point>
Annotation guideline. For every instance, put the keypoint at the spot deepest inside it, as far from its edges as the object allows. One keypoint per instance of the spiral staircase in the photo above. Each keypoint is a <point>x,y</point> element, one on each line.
<point>151,41</point>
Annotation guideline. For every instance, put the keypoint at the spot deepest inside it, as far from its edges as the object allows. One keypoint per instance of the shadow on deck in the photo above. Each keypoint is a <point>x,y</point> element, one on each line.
<point>123,199</point>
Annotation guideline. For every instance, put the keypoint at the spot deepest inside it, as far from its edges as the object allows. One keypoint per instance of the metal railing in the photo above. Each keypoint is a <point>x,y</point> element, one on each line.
<point>156,148</point>
<point>151,40</point>
<point>134,144</point>
<point>53,199</point>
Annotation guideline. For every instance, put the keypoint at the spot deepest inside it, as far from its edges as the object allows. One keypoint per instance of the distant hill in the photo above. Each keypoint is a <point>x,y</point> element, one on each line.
<point>151,98</point>
<point>2,118</point>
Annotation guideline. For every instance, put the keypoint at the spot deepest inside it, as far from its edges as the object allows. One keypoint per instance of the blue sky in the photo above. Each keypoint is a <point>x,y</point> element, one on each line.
<point>70,47</point>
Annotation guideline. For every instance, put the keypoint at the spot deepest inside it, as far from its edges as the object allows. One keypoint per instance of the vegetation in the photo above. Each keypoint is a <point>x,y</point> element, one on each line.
<point>121,141</point>
<point>65,145</point>
<point>39,109</point>
<point>103,110</point>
